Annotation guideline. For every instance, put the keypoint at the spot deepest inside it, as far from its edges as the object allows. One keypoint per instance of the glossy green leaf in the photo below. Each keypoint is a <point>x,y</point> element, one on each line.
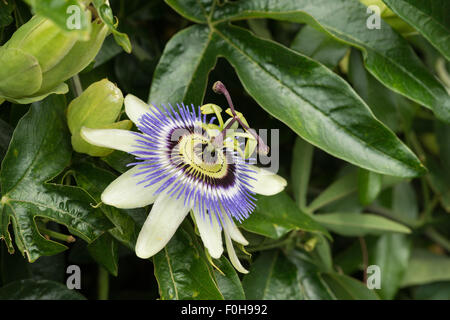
<point>319,46</point>
<point>386,54</point>
<point>127,222</point>
<point>369,186</point>
<point>195,10</point>
<point>355,224</point>
<point>391,252</point>
<point>39,150</point>
<point>430,18</point>
<point>182,72</point>
<point>227,280</point>
<point>118,160</point>
<point>38,290</point>
<point>348,288</point>
<point>273,277</point>
<point>310,277</point>
<point>182,270</point>
<point>315,103</point>
<point>426,267</point>
<point>301,170</point>
<point>276,215</point>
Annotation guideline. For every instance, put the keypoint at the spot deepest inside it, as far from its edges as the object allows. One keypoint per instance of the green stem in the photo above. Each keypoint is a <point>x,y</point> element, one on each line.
<point>77,85</point>
<point>1,101</point>
<point>103,283</point>
<point>438,238</point>
<point>57,235</point>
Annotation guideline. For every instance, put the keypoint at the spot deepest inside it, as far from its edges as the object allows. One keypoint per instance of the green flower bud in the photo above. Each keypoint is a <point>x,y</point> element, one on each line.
<point>40,56</point>
<point>97,107</point>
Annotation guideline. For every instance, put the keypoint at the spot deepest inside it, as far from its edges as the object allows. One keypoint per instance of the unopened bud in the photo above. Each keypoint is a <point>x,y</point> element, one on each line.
<point>97,107</point>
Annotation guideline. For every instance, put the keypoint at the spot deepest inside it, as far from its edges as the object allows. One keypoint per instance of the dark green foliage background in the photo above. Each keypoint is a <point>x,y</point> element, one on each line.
<point>364,144</point>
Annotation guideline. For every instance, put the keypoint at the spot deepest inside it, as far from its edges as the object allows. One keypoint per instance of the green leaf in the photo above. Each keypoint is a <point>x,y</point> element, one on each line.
<point>38,290</point>
<point>182,270</point>
<point>404,203</point>
<point>108,51</point>
<point>273,277</point>
<point>69,15</point>
<point>118,160</point>
<point>310,277</point>
<point>433,291</point>
<point>426,267</point>
<point>106,15</point>
<point>40,150</point>
<point>391,252</point>
<point>339,189</point>
<point>382,101</point>
<point>315,103</point>
<point>355,224</point>
<point>301,170</point>
<point>6,132</point>
<point>104,250</point>
<point>195,10</point>
<point>276,215</point>
<point>386,54</point>
<point>319,46</point>
<point>127,222</point>
<point>228,281</point>
<point>430,18</point>
<point>369,186</point>
<point>347,288</point>
<point>182,71</point>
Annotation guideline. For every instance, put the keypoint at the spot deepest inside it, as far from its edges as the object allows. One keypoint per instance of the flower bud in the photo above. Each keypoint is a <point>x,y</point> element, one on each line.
<point>40,56</point>
<point>97,107</point>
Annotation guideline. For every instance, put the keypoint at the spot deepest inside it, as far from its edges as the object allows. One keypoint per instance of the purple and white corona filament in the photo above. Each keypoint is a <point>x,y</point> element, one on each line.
<point>181,168</point>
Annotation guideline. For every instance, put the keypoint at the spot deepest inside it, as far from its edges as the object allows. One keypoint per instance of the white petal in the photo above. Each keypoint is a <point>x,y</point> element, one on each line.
<point>135,107</point>
<point>233,230</point>
<point>162,222</point>
<point>126,193</point>
<point>118,139</point>
<point>210,233</point>
<point>267,183</point>
<point>232,254</point>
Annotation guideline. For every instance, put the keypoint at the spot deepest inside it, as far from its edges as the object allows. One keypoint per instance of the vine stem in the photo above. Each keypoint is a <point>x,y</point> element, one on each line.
<point>365,256</point>
<point>77,85</point>
<point>438,238</point>
<point>103,283</point>
<point>56,235</point>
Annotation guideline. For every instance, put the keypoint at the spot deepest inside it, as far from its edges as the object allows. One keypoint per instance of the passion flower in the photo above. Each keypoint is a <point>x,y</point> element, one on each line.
<point>182,168</point>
